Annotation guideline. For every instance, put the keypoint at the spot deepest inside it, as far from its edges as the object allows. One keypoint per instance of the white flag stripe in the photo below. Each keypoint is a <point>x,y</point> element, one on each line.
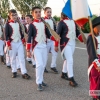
<point>80,9</point>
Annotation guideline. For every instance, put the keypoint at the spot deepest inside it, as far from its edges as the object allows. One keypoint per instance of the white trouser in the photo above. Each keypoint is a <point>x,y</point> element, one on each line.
<point>17,62</point>
<point>68,63</point>
<point>17,50</point>
<point>28,59</point>
<point>1,48</point>
<point>33,60</point>
<point>40,54</point>
<point>50,48</point>
<point>8,63</point>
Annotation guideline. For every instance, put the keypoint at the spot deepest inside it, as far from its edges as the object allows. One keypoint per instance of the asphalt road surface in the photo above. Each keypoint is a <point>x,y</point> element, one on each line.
<point>58,89</point>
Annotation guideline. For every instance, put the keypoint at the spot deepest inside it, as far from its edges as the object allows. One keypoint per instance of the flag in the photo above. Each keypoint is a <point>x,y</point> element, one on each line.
<point>67,9</point>
<point>78,10</point>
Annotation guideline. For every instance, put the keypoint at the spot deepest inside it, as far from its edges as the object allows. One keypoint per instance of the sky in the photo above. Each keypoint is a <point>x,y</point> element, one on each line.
<point>57,6</point>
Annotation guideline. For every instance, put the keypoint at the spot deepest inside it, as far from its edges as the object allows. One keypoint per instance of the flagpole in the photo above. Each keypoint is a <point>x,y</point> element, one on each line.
<point>92,33</point>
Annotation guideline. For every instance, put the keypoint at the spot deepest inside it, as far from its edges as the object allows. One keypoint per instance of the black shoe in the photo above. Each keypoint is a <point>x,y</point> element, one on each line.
<point>44,84</point>
<point>72,82</point>
<point>54,70</point>
<point>34,66</point>
<point>40,88</point>
<point>14,75</point>
<point>9,67</point>
<point>19,69</point>
<point>30,62</point>
<point>46,71</point>
<point>2,60</point>
<point>64,76</point>
<point>26,76</point>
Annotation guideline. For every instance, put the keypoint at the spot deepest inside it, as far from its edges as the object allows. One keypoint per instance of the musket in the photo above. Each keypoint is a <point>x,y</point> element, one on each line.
<point>28,5</point>
<point>53,33</point>
<point>23,29</point>
<point>2,27</point>
<point>51,17</point>
<point>21,25</point>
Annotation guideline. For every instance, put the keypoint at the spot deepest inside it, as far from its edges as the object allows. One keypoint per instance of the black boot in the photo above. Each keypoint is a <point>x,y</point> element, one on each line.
<point>34,66</point>
<point>72,82</point>
<point>2,60</point>
<point>26,76</point>
<point>30,62</point>
<point>14,75</point>
<point>46,71</point>
<point>64,76</point>
<point>9,67</point>
<point>40,88</point>
<point>54,70</point>
<point>44,84</point>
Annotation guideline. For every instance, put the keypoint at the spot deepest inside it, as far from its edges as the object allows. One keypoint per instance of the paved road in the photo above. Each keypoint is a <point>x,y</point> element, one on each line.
<point>58,89</point>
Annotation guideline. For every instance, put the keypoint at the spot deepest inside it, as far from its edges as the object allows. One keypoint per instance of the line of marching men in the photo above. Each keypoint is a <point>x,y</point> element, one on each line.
<point>39,43</point>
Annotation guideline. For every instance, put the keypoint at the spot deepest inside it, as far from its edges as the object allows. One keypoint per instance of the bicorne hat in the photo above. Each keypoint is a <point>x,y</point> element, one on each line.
<point>96,21</point>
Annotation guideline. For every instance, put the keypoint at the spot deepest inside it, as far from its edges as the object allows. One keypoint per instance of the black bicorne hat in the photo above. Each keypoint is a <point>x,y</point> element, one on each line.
<point>96,21</point>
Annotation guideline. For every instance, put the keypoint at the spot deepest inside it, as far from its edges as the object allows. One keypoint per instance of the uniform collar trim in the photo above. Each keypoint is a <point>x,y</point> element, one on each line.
<point>12,21</point>
<point>66,18</point>
<point>36,20</point>
<point>46,17</point>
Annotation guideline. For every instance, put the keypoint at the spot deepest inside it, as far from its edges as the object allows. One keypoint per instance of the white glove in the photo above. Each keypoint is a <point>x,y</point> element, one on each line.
<point>96,63</point>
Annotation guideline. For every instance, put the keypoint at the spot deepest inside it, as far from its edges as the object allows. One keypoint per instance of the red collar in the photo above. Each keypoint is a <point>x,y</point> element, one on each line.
<point>36,20</point>
<point>12,21</point>
<point>46,17</point>
<point>66,18</point>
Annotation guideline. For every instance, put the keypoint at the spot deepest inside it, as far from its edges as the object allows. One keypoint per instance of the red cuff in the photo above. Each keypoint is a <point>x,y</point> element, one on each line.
<point>28,46</point>
<point>95,65</point>
<point>8,43</point>
<point>52,38</point>
<point>23,40</point>
<point>56,43</point>
<point>80,38</point>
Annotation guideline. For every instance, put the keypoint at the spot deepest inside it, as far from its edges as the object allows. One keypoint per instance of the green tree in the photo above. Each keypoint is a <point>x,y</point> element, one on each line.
<point>86,28</point>
<point>56,18</point>
<point>4,8</point>
<point>24,9</point>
